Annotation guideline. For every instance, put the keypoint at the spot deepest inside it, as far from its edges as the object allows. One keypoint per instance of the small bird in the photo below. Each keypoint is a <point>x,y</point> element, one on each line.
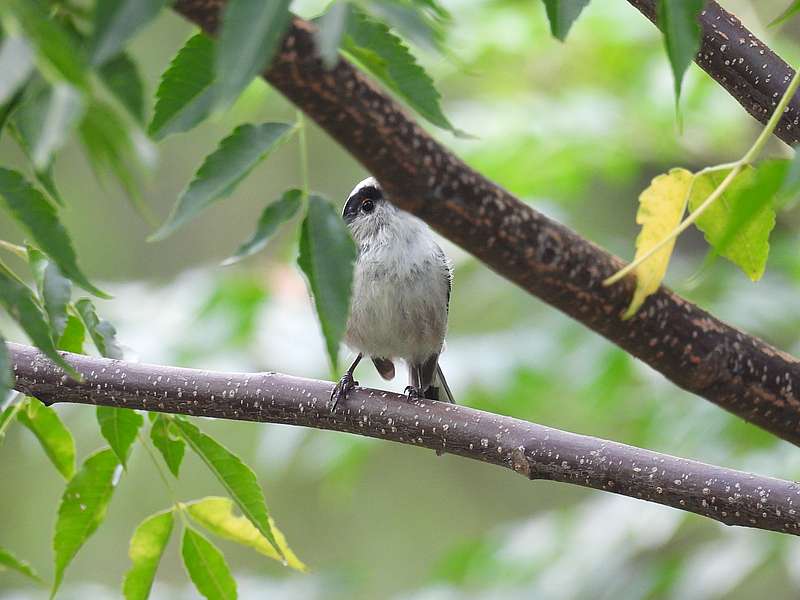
<point>401,294</point>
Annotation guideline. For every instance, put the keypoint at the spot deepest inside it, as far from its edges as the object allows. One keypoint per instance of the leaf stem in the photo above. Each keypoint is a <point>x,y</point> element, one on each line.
<point>303,143</point>
<point>750,156</point>
<point>14,249</point>
<point>160,469</point>
<point>15,410</point>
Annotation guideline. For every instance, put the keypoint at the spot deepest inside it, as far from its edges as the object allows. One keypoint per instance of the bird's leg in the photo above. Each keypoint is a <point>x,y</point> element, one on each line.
<point>413,393</point>
<point>346,383</point>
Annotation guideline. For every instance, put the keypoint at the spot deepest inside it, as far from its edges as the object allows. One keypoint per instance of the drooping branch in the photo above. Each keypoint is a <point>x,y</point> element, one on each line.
<point>537,452</point>
<point>744,65</point>
<point>688,345</point>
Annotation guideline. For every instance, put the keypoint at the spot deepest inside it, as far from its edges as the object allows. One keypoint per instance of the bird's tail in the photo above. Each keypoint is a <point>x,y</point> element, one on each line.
<point>441,382</point>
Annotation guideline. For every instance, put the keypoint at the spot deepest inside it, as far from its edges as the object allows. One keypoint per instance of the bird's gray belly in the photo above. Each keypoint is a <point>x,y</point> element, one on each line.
<point>397,315</point>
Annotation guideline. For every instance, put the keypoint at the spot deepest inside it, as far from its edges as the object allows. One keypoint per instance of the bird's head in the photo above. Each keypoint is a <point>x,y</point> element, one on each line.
<point>366,210</point>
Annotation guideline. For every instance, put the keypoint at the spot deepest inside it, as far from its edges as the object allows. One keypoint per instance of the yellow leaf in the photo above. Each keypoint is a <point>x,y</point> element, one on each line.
<point>216,515</point>
<point>661,207</point>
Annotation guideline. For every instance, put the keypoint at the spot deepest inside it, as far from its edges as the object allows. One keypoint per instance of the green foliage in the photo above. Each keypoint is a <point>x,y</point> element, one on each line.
<point>103,333</point>
<point>185,94</point>
<point>57,53</point>
<point>787,14</point>
<point>21,304</point>
<point>115,21</point>
<point>748,247</point>
<point>236,477</point>
<point>16,63</point>
<point>109,145</point>
<point>327,255</point>
<point>145,551</point>
<point>6,376</point>
<point>216,515</point>
<point>55,290</point>
<point>251,32</point>
<point>53,435</point>
<point>331,28</point>
<point>31,209</point>
<point>207,567</point>
<point>45,120</point>
<point>9,561</point>
<point>385,55</point>
<point>682,34</point>
<point>272,217</point>
<point>562,14</point>
<point>83,507</point>
<point>121,76</point>
<point>74,335</point>
<point>223,170</point>
<point>168,442</point>
<point>119,427</point>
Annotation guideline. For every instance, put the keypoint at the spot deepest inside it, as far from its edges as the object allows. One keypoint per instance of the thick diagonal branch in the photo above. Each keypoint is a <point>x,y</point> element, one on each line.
<point>537,452</point>
<point>689,346</point>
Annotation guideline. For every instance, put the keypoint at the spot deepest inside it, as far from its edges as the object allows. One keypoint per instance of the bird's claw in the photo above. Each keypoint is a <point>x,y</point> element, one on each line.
<point>413,393</point>
<point>340,391</point>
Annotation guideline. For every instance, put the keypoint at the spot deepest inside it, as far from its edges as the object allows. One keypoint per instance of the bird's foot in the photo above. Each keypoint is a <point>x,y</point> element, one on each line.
<point>413,393</point>
<point>342,389</point>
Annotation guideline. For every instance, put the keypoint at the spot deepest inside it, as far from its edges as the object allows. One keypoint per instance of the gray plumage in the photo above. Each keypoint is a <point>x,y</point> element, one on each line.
<point>401,291</point>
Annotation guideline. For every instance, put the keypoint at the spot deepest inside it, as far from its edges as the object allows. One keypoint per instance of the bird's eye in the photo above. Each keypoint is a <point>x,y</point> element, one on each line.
<point>368,206</point>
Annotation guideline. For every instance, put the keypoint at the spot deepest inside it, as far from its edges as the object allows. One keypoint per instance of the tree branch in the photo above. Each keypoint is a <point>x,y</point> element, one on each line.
<point>742,64</point>
<point>689,346</point>
<point>537,452</point>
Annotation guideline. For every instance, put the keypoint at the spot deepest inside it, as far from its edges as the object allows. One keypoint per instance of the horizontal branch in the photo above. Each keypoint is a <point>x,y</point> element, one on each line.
<point>689,346</point>
<point>537,452</point>
<point>741,63</point>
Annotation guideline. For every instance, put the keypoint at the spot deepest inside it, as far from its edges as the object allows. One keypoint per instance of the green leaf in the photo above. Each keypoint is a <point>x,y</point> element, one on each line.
<point>73,337</point>
<point>31,209</point>
<point>222,171</point>
<point>753,202</point>
<point>327,255</point>
<point>19,301</point>
<point>185,94</point>
<point>16,65</point>
<point>121,76</point>
<point>119,427</point>
<point>562,14</point>
<point>206,567</point>
<point>103,333</point>
<point>55,290</point>
<point>83,508</point>
<point>109,145</point>
<point>115,21</point>
<point>56,50</point>
<point>53,435</point>
<point>251,32</point>
<point>10,561</point>
<point>6,374</point>
<point>749,247</point>
<point>216,515</point>
<point>787,14</point>
<point>6,415</point>
<point>330,32</point>
<point>273,216</point>
<point>236,477</point>
<point>171,447</point>
<point>45,120</point>
<point>682,34</point>
<point>147,546</point>
<point>385,56</point>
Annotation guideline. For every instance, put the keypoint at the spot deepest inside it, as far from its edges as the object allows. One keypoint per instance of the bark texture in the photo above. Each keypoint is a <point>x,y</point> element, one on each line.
<point>534,451</point>
<point>689,346</point>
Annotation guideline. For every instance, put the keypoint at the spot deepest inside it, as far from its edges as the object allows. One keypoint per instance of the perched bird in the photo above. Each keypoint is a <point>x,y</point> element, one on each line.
<point>401,294</point>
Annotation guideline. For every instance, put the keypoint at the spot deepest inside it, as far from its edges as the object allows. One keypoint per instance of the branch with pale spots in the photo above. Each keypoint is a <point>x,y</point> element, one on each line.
<point>690,347</point>
<point>534,451</point>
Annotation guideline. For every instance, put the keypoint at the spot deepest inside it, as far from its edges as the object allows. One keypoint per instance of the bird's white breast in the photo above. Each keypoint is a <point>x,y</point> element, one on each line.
<point>400,293</point>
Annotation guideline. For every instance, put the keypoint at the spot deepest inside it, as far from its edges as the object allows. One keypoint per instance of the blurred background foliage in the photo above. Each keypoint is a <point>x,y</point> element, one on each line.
<point>577,130</point>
